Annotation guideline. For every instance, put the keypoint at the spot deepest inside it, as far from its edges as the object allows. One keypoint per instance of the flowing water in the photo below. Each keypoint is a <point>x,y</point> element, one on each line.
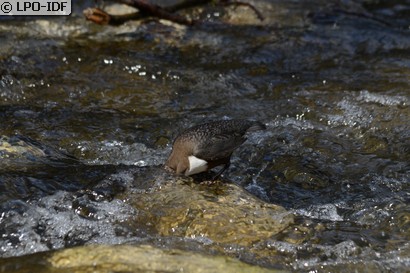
<point>88,115</point>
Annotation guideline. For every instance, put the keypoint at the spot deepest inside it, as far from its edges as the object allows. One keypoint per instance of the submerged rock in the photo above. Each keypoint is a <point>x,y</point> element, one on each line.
<point>124,258</point>
<point>18,147</point>
<point>21,152</point>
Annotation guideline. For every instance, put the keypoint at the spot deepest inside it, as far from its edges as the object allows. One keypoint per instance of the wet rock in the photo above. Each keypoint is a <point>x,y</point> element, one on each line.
<point>16,147</point>
<point>21,152</point>
<point>125,258</point>
<point>222,213</point>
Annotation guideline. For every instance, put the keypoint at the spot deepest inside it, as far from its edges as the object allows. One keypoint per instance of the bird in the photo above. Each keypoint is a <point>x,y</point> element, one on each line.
<point>206,146</point>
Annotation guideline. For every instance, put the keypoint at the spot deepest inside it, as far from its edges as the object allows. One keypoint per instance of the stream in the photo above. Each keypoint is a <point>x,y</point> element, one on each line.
<point>88,115</point>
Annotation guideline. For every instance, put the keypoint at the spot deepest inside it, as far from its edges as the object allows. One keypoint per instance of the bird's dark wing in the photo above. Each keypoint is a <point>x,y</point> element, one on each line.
<point>219,146</point>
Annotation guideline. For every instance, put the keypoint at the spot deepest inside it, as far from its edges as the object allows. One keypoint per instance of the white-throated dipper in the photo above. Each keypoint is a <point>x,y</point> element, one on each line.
<point>205,146</point>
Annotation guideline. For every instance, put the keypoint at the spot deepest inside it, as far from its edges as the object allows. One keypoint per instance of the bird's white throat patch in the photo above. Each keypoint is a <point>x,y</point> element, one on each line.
<point>196,165</point>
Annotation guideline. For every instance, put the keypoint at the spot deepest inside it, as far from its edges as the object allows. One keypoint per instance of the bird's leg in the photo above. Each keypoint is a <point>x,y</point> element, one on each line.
<point>218,174</point>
